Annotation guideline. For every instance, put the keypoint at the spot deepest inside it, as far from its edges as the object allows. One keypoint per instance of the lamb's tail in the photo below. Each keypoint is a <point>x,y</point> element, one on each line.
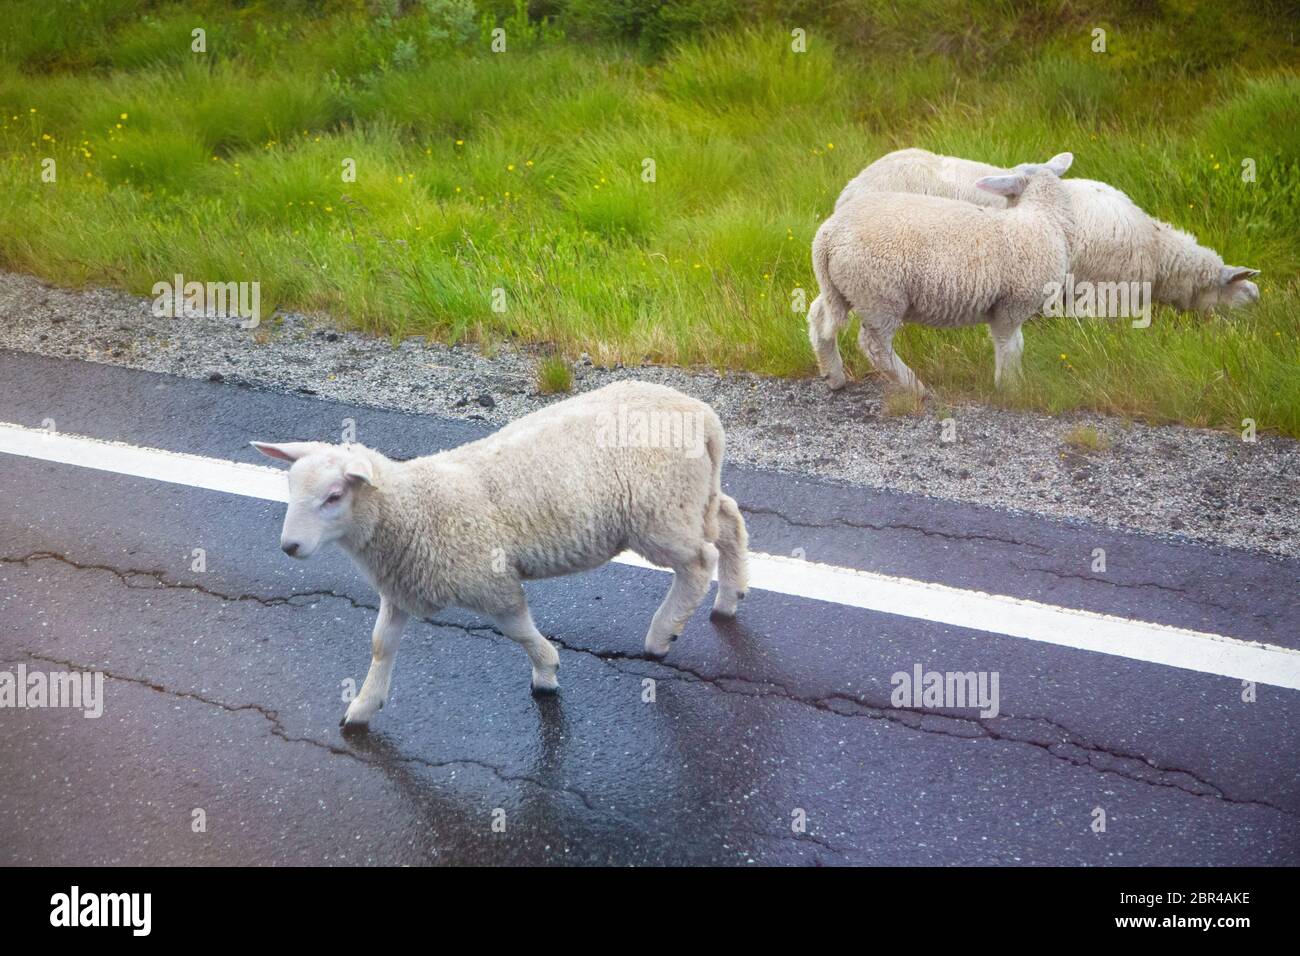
<point>725,528</point>
<point>828,313</point>
<point>716,444</point>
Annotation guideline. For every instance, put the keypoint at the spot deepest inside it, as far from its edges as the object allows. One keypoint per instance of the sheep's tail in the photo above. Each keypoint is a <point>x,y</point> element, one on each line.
<point>828,313</point>
<point>725,528</point>
<point>716,445</point>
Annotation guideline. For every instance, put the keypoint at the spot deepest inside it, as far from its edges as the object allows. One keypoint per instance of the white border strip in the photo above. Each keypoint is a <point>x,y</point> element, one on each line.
<point>938,603</point>
<point>214,474</point>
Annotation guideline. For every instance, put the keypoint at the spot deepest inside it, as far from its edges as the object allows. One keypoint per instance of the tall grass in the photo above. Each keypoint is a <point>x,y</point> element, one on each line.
<point>651,200</point>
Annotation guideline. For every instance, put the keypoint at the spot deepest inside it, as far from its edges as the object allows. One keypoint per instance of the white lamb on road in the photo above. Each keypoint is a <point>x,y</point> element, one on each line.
<point>629,466</point>
<point>1117,240</point>
<point>896,257</point>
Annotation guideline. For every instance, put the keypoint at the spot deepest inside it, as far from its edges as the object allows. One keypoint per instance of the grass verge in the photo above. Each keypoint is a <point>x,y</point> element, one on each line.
<point>649,197</point>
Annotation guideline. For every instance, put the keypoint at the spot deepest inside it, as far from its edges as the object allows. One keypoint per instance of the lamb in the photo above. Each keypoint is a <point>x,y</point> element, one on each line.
<point>1118,241</point>
<point>897,257</point>
<point>628,466</point>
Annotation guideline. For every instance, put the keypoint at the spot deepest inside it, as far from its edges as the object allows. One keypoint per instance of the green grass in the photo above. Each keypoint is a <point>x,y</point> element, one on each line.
<point>1086,438</point>
<point>505,198</point>
<point>554,376</point>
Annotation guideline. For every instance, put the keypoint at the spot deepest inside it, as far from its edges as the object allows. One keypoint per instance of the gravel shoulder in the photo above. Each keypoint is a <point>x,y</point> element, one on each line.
<point>1206,486</point>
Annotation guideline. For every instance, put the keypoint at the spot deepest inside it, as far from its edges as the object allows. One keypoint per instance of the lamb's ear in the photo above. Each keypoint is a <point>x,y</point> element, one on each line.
<point>289,451</point>
<point>1060,163</point>
<point>360,468</point>
<point>1009,186</point>
<point>1230,274</point>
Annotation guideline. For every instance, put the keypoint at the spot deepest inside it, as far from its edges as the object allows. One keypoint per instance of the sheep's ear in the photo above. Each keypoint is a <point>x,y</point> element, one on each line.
<point>289,451</point>
<point>1009,186</point>
<point>1060,163</point>
<point>1230,274</point>
<point>360,469</point>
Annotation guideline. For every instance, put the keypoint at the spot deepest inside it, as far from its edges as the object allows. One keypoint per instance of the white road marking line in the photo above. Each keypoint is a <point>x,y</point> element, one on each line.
<point>924,600</point>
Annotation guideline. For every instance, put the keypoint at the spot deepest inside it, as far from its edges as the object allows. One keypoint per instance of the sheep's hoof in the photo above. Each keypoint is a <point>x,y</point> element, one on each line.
<point>541,690</point>
<point>356,727</point>
<point>722,614</point>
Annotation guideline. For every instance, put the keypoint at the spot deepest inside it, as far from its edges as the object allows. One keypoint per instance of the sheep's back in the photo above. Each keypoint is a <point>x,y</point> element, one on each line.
<point>925,174</point>
<point>568,485</point>
<point>944,260</point>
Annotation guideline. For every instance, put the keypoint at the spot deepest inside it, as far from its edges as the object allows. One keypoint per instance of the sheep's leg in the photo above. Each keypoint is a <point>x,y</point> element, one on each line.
<point>692,573</point>
<point>733,569</point>
<point>519,627</point>
<point>876,338</point>
<point>1008,345</point>
<point>384,641</point>
<point>826,316</point>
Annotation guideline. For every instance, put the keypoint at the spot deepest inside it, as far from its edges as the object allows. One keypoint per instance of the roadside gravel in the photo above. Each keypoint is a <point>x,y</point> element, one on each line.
<point>1203,485</point>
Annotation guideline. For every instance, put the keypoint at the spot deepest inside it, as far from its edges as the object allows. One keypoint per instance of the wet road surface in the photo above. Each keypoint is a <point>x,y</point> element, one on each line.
<point>769,740</point>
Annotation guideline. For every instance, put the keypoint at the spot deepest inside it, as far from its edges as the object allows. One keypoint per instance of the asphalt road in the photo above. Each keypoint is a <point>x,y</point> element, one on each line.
<point>223,687</point>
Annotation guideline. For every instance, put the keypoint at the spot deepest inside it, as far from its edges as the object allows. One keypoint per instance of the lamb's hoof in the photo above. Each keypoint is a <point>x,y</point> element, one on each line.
<point>836,382</point>
<point>722,614</point>
<point>543,683</point>
<point>356,727</point>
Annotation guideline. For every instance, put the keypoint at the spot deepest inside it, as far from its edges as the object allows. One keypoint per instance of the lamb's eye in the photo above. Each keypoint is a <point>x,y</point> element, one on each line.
<point>333,497</point>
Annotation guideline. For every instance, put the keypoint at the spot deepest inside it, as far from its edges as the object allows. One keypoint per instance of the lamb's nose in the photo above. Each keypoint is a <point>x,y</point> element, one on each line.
<point>290,549</point>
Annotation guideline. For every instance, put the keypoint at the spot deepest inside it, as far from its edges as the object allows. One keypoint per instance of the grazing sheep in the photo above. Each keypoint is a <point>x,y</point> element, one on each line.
<point>897,257</point>
<point>629,466</point>
<point>1118,242</point>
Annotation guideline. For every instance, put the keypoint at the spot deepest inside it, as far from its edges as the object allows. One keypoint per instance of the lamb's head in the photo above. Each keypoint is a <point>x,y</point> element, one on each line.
<point>1231,289</point>
<point>1037,186</point>
<point>325,482</point>
<point>1040,179</point>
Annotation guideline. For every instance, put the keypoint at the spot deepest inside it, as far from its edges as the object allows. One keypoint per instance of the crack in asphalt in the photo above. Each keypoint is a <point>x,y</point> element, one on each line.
<point>160,582</point>
<point>276,727</point>
<point>924,721</point>
<point>1068,745</point>
<point>277,730</point>
<point>1195,596</point>
<point>750,509</point>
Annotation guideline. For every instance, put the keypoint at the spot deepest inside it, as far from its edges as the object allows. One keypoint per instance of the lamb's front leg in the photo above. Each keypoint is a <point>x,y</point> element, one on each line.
<point>519,627</point>
<point>384,641</point>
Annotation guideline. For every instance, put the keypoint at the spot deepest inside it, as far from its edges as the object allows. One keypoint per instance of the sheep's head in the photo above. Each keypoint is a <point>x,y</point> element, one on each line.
<point>1232,290</point>
<point>1019,178</point>
<point>1039,185</point>
<point>324,482</point>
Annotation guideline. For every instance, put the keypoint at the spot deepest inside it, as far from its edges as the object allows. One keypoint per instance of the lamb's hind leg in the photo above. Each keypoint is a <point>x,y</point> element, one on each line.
<point>876,338</point>
<point>692,573</point>
<point>518,625</point>
<point>826,316</point>
<point>733,549</point>
<point>384,641</point>
<point>1008,346</point>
